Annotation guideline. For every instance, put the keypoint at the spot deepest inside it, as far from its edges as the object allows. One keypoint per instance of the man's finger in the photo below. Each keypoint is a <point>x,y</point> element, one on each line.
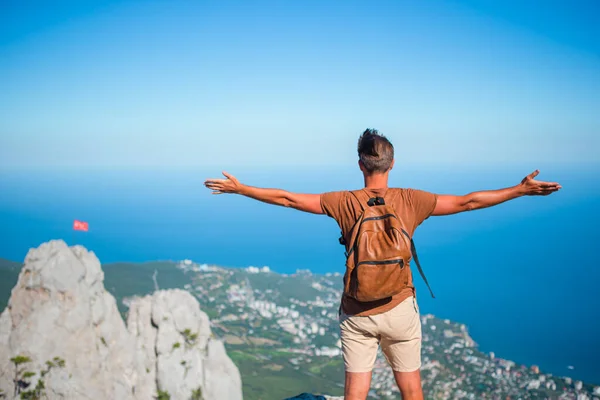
<point>546,184</point>
<point>214,186</point>
<point>228,175</point>
<point>549,184</point>
<point>214,181</point>
<point>545,192</point>
<point>534,174</point>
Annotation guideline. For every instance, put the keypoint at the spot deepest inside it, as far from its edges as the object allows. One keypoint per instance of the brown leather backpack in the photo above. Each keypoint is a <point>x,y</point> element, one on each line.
<point>378,251</point>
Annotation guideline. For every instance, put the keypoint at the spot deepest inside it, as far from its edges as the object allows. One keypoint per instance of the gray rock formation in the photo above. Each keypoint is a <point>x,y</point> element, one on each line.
<point>62,328</point>
<point>184,358</point>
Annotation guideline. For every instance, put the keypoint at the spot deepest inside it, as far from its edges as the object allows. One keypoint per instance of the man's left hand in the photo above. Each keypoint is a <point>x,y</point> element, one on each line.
<point>220,186</point>
<point>531,187</point>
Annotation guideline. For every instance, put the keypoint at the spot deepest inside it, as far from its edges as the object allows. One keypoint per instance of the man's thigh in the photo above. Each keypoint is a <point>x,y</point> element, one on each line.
<point>400,330</point>
<point>359,343</point>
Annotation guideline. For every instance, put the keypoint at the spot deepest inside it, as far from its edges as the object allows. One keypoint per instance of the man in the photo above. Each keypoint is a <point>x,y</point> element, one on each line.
<point>392,322</point>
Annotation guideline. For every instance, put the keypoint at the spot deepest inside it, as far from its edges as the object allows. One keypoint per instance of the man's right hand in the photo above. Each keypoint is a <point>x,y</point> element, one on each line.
<point>448,204</point>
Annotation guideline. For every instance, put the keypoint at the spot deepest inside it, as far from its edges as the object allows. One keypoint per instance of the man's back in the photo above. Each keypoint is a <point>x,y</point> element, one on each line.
<point>411,207</point>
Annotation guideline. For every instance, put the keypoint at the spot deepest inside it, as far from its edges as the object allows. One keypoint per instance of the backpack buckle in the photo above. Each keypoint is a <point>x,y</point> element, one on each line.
<point>376,201</point>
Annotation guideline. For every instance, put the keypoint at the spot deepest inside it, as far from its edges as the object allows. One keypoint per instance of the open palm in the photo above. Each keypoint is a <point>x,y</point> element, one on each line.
<point>220,186</point>
<point>533,187</point>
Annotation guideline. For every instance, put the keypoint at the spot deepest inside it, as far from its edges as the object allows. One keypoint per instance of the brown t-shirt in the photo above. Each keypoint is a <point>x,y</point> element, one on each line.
<point>412,206</point>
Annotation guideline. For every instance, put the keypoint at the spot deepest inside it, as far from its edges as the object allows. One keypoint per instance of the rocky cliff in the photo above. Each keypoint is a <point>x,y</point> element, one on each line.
<point>62,337</point>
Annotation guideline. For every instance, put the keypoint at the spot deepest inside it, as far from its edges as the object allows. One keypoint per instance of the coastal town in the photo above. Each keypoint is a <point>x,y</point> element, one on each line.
<point>289,323</point>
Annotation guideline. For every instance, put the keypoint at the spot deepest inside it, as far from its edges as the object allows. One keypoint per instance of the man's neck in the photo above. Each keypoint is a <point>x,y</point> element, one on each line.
<point>376,181</point>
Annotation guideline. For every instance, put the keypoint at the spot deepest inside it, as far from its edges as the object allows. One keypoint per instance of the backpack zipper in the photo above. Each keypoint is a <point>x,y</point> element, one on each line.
<point>380,217</point>
<point>386,262</point>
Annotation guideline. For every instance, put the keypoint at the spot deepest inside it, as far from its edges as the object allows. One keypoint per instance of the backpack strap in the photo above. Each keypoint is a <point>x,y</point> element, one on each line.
<point>362,197</point>
<point>413,250</point>
<point>357,196</point>
<point>364,200</point>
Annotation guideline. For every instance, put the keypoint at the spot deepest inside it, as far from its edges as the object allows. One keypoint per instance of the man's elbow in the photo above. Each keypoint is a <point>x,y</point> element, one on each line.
<point>471,203</point>
<point>469,206</point>
<point>463,204</point>
<point>287,203</point>
<point>288,200</point>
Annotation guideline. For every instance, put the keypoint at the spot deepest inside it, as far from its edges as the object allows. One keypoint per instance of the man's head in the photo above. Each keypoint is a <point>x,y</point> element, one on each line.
<point>375,152</point>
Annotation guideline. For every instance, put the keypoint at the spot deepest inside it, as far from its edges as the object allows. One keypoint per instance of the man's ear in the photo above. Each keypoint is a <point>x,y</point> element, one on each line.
<point>361,166</point>
<point>392,164</point>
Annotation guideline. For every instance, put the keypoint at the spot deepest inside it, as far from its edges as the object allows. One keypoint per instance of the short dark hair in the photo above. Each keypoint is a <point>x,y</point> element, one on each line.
<point>375,151</point>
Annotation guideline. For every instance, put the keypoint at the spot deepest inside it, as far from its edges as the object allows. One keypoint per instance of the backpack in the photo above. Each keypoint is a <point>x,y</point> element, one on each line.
<point>378,252</point>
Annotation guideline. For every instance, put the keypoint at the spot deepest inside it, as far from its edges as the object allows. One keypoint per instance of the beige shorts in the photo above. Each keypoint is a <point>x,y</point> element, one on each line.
<point>398,331</point>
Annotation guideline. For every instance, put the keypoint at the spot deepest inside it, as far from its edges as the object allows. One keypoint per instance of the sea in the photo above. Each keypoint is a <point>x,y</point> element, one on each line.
<point>523,276</point>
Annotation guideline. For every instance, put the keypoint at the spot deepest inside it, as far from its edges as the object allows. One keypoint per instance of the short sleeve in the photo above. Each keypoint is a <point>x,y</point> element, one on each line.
<point>331,203</point>
<point>423,203</point>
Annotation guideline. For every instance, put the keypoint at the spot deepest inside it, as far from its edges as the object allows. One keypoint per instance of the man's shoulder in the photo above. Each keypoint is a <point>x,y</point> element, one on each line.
<point>413,197</point>
<point>400,192</point>
<point>409,191</point>
<point>335,193</point>
<point>332,202</point>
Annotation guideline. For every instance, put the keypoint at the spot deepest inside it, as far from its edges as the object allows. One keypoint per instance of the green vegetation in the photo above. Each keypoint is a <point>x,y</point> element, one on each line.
<point>28,374</point>
<point>261,381</point>
<point>271,374</point>
<point>18,360</point>
<point>197,394</point>
<point>189,337</point>
<point>176,345</point>
<point>56,362</point>
<point>22,377</point>
<point>163,395</point>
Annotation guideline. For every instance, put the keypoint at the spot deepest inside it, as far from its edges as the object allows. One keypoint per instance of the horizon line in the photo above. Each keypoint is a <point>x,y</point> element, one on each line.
<point>335,166</point>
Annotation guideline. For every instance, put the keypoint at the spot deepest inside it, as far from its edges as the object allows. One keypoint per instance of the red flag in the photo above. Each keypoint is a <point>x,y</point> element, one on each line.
<point>80,226</point>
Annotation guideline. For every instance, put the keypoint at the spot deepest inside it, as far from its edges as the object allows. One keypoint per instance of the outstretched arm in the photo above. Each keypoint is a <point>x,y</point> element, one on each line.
<point>304,202</point>
<point>448,204</point>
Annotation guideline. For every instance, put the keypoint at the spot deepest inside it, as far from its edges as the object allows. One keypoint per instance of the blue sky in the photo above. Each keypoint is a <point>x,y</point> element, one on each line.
<point>228,84</point>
